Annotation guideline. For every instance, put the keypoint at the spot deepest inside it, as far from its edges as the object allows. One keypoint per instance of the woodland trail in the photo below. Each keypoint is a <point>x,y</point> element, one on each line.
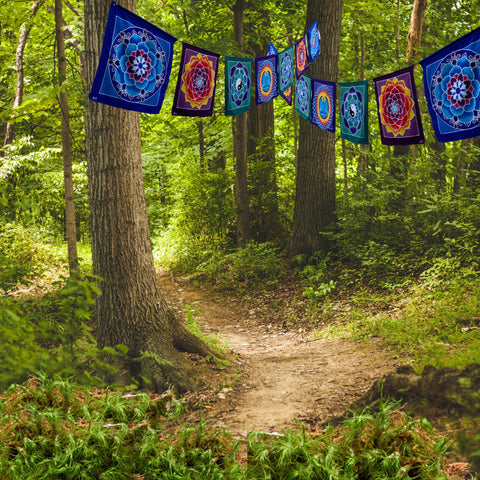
<point>283,377</point>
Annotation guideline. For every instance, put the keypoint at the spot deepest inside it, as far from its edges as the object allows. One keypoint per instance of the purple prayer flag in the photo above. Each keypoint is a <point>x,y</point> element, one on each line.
<point>266,78</point>
<point>323,104</point>
<point>195,92</point>
<point>301,56</point>
<point>398,112</point>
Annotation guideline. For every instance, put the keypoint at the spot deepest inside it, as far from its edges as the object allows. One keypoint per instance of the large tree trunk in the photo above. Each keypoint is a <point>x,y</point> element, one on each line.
<point>240,138</point>
<point>315,183</point>
<point>131,310</point>
<point>70,226</point>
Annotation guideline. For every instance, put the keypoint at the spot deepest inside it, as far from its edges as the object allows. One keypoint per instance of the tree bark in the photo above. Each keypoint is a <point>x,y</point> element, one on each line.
<point>315,183</point>
<point>70,225</point>
<point>131,310</point>
<point>22,41</point>
<point>240,138</point>
<point>263,189</point>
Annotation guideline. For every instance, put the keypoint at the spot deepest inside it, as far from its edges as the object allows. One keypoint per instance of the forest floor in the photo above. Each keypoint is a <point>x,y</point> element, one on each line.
<point>279,375</point>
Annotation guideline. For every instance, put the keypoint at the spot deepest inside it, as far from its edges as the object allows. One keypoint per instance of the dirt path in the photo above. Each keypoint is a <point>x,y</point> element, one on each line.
<point>284,376</point>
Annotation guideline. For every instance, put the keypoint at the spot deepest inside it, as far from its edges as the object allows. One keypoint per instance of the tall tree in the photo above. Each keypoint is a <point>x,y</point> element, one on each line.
<point>240,138</point>
<point>131,310</point>
<point>22,41</point>
<point>315,183</point>
<point>70,225</point>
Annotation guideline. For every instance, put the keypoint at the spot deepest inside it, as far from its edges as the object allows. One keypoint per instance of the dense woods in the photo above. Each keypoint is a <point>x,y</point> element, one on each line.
<point>94,200</point>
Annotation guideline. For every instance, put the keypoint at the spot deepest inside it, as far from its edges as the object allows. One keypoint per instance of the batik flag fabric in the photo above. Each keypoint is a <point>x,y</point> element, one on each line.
<point>313,39</point>
<point>238,85</point>
<point>301,56</point>
<point>285,71</point>
<point>451,77</point>
<point>398,112</point>
<point>353,108</point>
<point>135,63</point>
<point>196,83</point>
<point>323,104</point>
<point>303,97</point>
<point>266,85</point>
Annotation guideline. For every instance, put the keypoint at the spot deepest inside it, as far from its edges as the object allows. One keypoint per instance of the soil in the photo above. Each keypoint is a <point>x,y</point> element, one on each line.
<point>279,375</point>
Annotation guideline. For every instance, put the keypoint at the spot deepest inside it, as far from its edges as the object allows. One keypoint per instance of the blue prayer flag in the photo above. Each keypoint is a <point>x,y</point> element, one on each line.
<point>266,78</point>
<point>451,77</point>
<point>303,97</point>
<point>238,85</point>
<point>323,104</point>
<point>135,63</point>
<point>313,42</point>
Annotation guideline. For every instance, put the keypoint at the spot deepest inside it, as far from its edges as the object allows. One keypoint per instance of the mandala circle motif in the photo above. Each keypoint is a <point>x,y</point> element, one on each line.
<point>302,95</point>
<point>323,107</point>
<point>286,70</point>
<point>266,81</point>
<point>455,88</point>
<point>137,64</point>
<point>314,43</point>
<point>396,107</point>
<point>198,80</point>
<point>301,56</point>
<point>239,83</point>
<point>352,110</point>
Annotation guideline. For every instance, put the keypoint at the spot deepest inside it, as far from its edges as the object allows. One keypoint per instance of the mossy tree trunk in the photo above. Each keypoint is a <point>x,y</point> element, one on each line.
<point>131,310</point>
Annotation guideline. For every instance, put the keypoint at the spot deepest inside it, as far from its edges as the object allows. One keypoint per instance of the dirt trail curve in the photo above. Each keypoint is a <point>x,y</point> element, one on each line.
<point>285,377</point>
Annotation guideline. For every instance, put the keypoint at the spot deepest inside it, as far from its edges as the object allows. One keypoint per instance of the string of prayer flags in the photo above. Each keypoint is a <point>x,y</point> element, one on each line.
<point>135,63</point>
<point>301,56</point>
<point>398,112</point>
<point>451,77</point>
<point>195,92</point>
<point>238,83</point>
<point>303,97</point>
<point>266,78</point>
<point>313,39</point>
<point>353,99</point>
<point>323,104</point>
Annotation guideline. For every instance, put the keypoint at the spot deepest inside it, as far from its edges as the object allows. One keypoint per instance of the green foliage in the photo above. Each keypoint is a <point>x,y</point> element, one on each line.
<point>315,272</point>
<point>52,333</point>
<point>254,266</point>
<point>385,445</point>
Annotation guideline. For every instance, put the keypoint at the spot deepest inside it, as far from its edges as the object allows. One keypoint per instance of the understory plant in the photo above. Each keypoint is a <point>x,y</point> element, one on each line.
<point>383,445</point>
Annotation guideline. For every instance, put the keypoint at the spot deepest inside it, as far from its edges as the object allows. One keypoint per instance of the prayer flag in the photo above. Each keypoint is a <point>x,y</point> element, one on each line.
<point>354,111</point>
<point>398,112</point>
<point>303,97</point>
<point>135,63</point>
<point>301,56</point>
<point>238,83</point>
<point>313,39</point>
<point>451,77</point>
<point>285,71</point>
<point>266,78</point>
<point>323,104</point>
<point>195,92</point>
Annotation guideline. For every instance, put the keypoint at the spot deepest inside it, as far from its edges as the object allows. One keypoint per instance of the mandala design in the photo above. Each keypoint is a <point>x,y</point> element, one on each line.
<point>322,107</point>
<point>239,83</point>
<point>396,106</point>
<point>198,80</point>
<point>302,93</point>
<point>314,41</point>
<point>352,110</point>
<point>286,70</point>
<point>455,89</point>
<point>266,81</point>
<point>301,56</point>
<point>138,64</point>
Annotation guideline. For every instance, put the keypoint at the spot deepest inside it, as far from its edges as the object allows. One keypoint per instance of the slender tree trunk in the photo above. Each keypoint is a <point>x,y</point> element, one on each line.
<point>240,138</point>
<point>315,183</point>
<point>131,310</point>
<point>70,226</point>
<point>22,41</point>
<point>263,189</point>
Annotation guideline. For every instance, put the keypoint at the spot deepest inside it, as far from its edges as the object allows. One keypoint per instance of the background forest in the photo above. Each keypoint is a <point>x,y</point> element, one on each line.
<point>406,229</point>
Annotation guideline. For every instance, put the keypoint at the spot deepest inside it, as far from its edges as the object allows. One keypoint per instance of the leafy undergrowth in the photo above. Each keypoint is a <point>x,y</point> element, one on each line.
<point>53,429</point>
